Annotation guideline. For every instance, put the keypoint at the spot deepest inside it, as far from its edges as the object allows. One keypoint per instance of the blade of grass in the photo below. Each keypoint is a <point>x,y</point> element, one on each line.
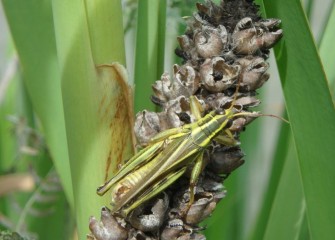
<point>7,107</point>
<point>328,56</point>
<point>309,8</point>
<point>20,132</point>
<point>304,229</point>
<point>246,180</point>
<point>149,56</point>
<point>97,121</point>
<point>327,12</point>
<point>288,208</point>
<point>275,174</point>
<point>228,220</point>
<point>7,138</point>
<point>31,25</point>
<point>224,223</point>
<point>311,113</point>
<point>34,209</point>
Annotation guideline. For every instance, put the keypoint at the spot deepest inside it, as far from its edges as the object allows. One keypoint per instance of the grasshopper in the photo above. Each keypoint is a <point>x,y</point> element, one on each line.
<point>168,156</point>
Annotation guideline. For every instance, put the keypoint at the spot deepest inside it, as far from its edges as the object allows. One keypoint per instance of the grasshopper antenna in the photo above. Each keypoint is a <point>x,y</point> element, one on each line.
<point>251,114</point>
<point>275,116</point>
<point>257,114</point>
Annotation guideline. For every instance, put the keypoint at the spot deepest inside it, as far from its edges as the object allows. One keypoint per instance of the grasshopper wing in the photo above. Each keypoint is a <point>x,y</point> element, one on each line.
<point>179,153</point>
<point>132,164</point>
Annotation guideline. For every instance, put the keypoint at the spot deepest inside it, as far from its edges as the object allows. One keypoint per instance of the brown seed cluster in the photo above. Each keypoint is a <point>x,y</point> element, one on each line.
<point>223,50</point>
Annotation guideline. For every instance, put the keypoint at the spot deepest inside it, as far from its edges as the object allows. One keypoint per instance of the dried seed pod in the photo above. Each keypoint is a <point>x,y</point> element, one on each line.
<point>217,101</point>
<point>249,38</point>
<point>164,88</point>
<point>212,11</point>
<point>147,125</point>
<point>177,230</point>
<point>153,221</point>
<point>186,83</point>
<point>188,77</point>
<point>269,23</point>
<point>224,161</point>
<point>238,125</point>
<point>108,228</point>
<point>172,111</point>
<point>210,41</point>
<point>173,229</point>
<point>243,24</point>
<point>204,204</point>
<point>187,46</point>
<point>247,101</point>
<point>253,74</point>
<point>138,235</point>
<point>200,209</point>
<point>217,75</point>
<point>192,236</point>
<point>213,184</point>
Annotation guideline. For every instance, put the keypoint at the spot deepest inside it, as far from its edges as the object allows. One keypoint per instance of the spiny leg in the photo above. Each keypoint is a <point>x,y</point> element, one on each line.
<point>196,171</point>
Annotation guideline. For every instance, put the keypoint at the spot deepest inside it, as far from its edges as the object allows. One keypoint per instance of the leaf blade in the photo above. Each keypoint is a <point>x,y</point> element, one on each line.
<point>311,113</point>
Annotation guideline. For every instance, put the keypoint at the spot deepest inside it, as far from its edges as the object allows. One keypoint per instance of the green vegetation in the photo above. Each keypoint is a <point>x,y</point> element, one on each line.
<point>65,112</point>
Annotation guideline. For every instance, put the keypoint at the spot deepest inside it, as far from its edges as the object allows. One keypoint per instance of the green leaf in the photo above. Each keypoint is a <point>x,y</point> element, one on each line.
<point>274,179</point>
<point>31,25</point>
<point>149,56</point>
<point>328,56</point>
<point>95,96</point>
<point>289,206</point>
<point>311,114</point>
<point>8,103</point>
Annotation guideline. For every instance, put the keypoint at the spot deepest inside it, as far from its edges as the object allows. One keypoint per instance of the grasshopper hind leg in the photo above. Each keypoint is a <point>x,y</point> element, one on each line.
<point>196,171</point>
<point>154,190</point>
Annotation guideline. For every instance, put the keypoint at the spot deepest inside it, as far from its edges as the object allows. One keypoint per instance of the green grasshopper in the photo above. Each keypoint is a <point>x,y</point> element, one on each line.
<point>168,156</point>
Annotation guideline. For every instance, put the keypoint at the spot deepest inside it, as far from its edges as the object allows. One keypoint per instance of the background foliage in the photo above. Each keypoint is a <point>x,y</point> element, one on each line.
<point>59,116</point>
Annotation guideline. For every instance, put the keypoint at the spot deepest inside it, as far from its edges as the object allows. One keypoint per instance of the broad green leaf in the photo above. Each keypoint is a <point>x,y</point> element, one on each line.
<point>309,8</point>
<point>31,25</point>
<point>95,96</point>
<point>304,229</point>
<point>272,186</point>
<point>326,54</point>
<point>289,206</point>
<point>311,114</point>
<point>8,104</point>
<point>226,221</point>
<point>149,56</point>
<point>30,211</point>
